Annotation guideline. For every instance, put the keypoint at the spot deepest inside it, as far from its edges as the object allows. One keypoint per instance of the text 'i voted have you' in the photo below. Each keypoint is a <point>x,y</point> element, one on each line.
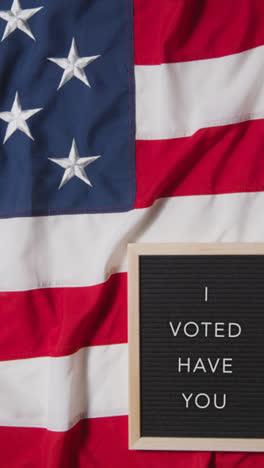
<point>202,365</point>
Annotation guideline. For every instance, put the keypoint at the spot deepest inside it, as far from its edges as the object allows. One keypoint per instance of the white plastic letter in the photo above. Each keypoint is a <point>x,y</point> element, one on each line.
<point>180,364</point>
<point>207,400</point>
<point>196,329</point>
<point>213,367</point>
<point>227,364</point>
<point>175,332</point>
<point>235,335</point>
<point>223,403</point>
<point>218,329</point>
<point>206,327</point>
<point>199,366</point>
<point>187,399</point>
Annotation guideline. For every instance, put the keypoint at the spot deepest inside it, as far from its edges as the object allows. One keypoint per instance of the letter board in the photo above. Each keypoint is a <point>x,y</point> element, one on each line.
<point>196,346</point>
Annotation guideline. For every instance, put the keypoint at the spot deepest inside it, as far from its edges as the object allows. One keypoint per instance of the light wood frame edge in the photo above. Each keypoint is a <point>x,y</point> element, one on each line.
<point>133,346</point>
<point>136,442</point>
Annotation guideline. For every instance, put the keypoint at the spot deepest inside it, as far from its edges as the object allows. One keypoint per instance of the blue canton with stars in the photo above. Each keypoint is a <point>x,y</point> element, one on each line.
<point>67,124</point>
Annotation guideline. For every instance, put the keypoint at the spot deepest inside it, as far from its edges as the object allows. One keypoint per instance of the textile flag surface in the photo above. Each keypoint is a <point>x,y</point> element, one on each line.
<point>120,121</point>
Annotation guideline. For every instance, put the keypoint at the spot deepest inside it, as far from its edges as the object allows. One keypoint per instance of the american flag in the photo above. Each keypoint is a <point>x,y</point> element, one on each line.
<point>120,121</point>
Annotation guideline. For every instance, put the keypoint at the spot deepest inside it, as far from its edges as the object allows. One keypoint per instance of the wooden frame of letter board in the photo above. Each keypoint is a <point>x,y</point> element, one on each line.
<point>136,442</point>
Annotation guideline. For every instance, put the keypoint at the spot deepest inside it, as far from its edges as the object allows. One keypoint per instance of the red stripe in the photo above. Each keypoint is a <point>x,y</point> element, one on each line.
<point>182,30</point>
<point>59,321</point>
<point>102,443</point>
<point>93,443</point>
<point>212,161</point>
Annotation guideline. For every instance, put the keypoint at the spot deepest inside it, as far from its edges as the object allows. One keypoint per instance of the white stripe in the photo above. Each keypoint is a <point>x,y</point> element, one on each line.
<point>83,250</point>
<point>55,393</point>
<point>177,99</point>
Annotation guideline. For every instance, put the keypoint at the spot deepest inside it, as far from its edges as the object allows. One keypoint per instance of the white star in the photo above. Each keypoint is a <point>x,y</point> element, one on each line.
<point>17,19</point>
<point>74,165</point>
<point>74,65</point>
<point>16,118</point>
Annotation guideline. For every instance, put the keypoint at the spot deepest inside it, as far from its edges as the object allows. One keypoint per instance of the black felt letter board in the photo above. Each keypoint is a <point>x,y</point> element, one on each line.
<point>173,290</point>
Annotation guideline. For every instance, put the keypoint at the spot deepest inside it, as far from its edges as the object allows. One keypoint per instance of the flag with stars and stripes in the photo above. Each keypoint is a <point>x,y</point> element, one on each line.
<point>120,121</point>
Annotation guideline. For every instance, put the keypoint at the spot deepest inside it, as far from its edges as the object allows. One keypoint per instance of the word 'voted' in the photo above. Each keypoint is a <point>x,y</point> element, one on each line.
<point>207,329</point>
